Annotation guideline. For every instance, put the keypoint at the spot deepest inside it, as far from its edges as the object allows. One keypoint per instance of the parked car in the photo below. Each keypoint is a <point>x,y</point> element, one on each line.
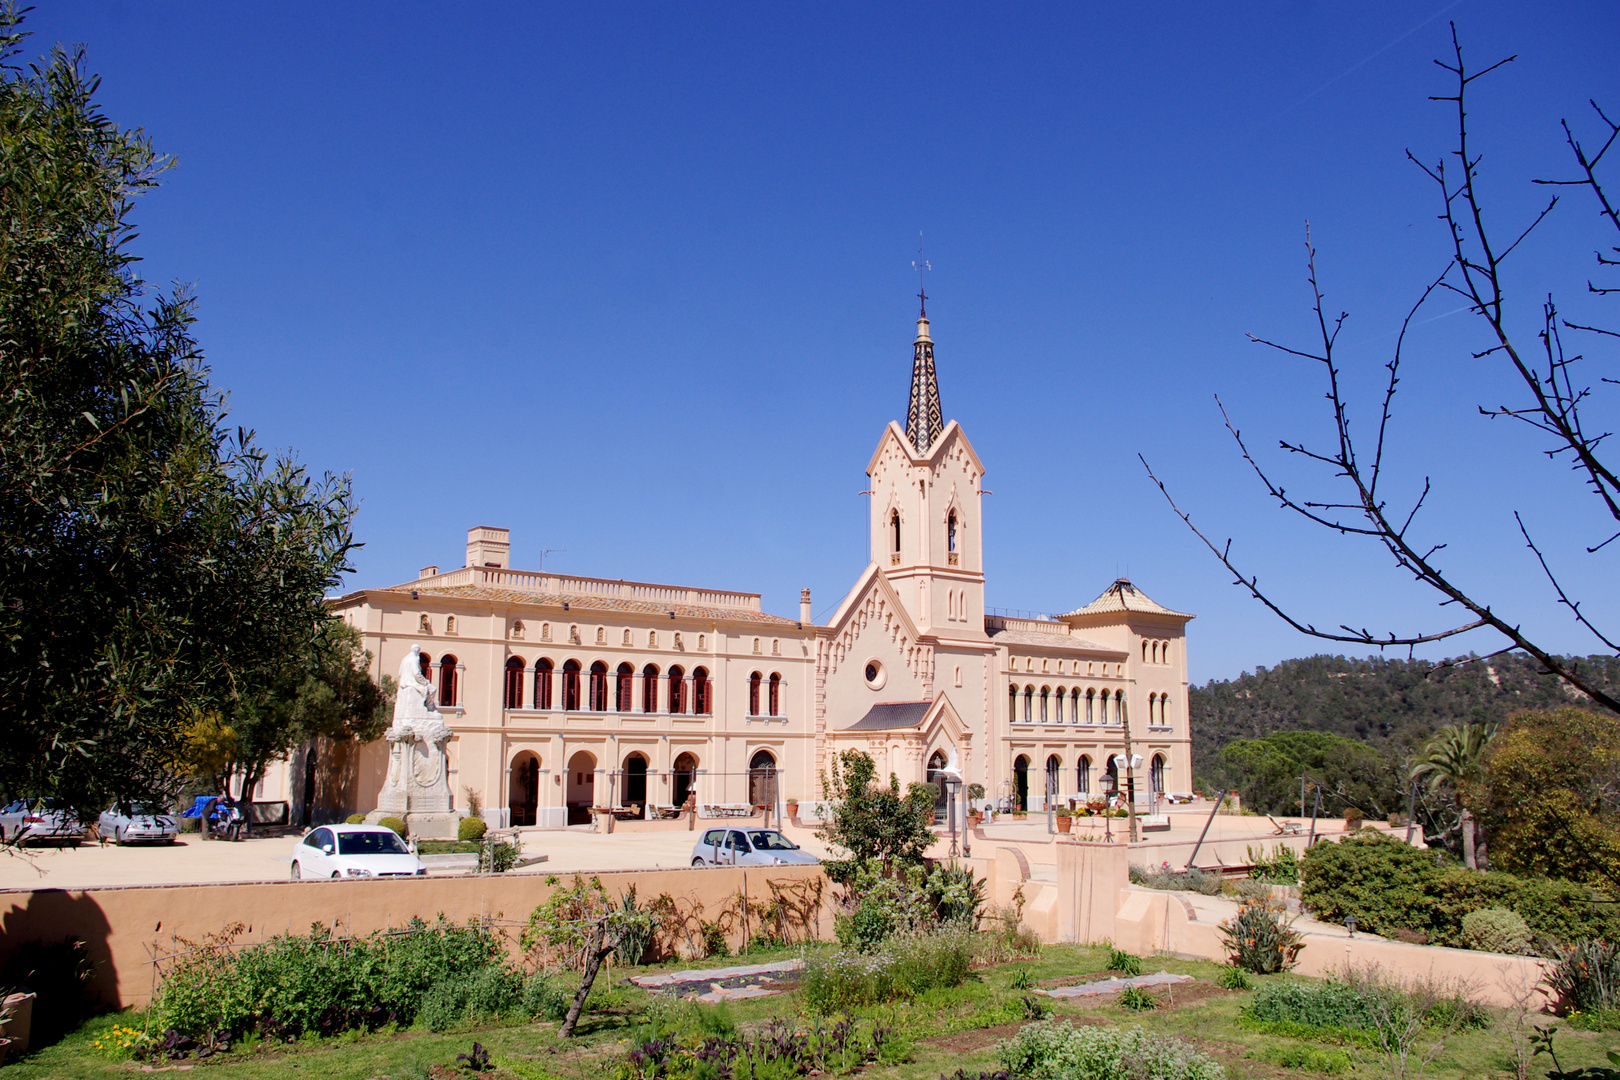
<point>128,822</point>
<point>23,820</point>
<point>748,847</point>
<point>354,851</point>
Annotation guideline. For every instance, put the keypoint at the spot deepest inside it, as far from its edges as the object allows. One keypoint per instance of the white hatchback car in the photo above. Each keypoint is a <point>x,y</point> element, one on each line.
<point>354,851</point>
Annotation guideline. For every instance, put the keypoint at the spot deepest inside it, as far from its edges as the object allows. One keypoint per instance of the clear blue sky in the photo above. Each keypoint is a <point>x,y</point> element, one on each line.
<point>635,280</point>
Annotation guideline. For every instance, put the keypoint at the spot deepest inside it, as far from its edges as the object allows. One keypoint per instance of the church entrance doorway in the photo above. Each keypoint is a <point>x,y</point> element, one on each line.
<point>523,790</point>
<point>581,787</point>
<point>936,776</point>
<point>1021,784</point>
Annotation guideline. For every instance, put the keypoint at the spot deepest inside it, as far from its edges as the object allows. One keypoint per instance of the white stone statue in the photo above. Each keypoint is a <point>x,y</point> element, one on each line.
<point>418,783</point>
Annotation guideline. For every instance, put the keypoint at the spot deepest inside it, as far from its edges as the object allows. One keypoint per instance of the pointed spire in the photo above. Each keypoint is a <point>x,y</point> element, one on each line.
<point>924,422</point>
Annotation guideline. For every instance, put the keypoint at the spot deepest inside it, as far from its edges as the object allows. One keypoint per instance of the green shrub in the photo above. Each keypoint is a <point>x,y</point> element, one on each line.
<point>1307,1058</point>
<point>1233,978</point>
<point>496,856</point>
<point>1246,890</point>
<point>1124,963</point>
<point>471,828</point>
<point>355,819</point>
<point>1324,1005</point>
<point>1586,977</point>
<point>395,823</point>
<point>1390,886</point>
<point>545,998</point>
<point>1137,999</point>
<point>1046,1050</point>
<point>1495,930</point>
<point>1258,939</point>
<point>491,994</point>
<point>1199,881</point>
<point>902,968</point>
<point>317,983</point>
<point>1281,867</point>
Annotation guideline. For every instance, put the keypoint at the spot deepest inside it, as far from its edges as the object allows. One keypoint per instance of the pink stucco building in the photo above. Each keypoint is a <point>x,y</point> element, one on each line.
<point>570,692</point>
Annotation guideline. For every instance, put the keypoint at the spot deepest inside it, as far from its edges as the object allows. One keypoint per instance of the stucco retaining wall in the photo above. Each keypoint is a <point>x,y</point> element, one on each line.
<point>123,925</point>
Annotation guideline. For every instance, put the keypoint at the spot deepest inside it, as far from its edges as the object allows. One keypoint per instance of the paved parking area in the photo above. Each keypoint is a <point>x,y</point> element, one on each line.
<point>196,861</point>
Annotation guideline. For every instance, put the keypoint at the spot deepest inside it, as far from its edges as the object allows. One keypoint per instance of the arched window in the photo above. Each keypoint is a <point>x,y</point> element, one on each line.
<point>1082,775</point>
<point>1156,776</point>
<point>517,630</point>
<point>1046,697</point>
<point>598,687</point>
<point>1144,651</point>
<point>1057,703</point>
<point>623,687</point>
<point>1164,709</point>
<point>1029,704</point>
<point>762,778</point>
<point>775,701</point>
<point>1111,776</point>
<point>754,682</point>
<point>514,683</point>
<point>677,689</point>
<point>684,780</point>
<point>700,692</point>
<point>1021,783</point>
<point>1119,706</point>
<point>542,683</point>
<point>1074,705</point>
<point>1012,704</point>
<point>649,688</point>
<point>425,662</point>
<point>894,526</point>
<point>1091,697</point>
<point>570,691</point>
<point>1054,777</point>
<point>950,533</point>
<point>447,681</point>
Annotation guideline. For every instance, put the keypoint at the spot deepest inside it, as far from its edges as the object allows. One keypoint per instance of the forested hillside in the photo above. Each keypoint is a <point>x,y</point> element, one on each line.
<point>1391,706</point>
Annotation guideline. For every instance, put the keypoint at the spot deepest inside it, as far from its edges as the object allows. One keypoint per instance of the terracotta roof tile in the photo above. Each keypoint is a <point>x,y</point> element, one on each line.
<point>601,603</point>
<point>1122,596</point>
<point>1045,641</point>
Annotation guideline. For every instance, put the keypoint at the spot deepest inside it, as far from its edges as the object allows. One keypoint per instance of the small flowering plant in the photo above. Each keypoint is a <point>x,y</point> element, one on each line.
<point>123,1043</point>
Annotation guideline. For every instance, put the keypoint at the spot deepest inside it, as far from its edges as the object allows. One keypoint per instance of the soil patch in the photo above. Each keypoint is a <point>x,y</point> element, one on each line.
<point>979,1038</point>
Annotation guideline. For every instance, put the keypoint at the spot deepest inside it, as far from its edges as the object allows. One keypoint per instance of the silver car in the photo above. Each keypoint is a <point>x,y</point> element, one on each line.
<point>23,820</point>
<point>129,822</point>
<point>748,847</point>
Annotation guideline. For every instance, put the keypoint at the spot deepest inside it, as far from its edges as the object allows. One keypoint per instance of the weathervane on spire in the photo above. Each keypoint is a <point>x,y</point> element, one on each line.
<point>920,265</point>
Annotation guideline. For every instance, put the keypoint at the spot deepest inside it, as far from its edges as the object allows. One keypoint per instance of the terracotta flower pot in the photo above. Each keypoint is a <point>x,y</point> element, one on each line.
<point>1064,824</point>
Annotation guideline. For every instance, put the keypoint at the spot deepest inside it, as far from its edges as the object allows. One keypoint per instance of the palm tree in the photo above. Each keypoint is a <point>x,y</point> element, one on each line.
<point>1455,755</point>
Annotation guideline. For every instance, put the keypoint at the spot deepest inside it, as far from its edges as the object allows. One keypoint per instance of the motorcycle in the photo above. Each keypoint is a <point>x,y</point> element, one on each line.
<point>226,821</point>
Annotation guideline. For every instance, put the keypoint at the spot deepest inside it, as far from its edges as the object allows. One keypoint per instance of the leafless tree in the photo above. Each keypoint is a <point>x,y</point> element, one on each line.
<point>1554,394</point>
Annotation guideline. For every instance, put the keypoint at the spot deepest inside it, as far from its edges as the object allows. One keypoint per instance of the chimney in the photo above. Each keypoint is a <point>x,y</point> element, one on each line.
<point>804,606</point>
<point>489,546</point>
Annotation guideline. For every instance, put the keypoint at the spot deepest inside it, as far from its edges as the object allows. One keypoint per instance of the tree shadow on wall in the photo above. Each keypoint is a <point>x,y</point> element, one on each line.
<point>56,945</point>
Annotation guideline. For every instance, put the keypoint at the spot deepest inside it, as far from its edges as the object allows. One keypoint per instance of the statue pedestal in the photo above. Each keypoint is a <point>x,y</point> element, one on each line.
<point>433,826</point>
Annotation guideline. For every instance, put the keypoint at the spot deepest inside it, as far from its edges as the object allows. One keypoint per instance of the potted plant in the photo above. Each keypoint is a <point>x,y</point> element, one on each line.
<point>975,793</point>
<point>1352,819</point>
<point>1065,819</point>
<point>793,807</point>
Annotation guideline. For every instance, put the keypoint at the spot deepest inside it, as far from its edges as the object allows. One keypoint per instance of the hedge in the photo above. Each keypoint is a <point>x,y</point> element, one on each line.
<point>1388,885</point>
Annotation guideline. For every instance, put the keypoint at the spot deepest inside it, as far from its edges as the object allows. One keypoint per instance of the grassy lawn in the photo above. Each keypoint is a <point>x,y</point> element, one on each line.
<point>946,1030</point>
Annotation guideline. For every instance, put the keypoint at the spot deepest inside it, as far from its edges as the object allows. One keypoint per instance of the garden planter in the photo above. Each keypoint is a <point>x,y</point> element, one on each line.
<point>975,819</point>
<point>793,809</point>
<point>1064,824</point>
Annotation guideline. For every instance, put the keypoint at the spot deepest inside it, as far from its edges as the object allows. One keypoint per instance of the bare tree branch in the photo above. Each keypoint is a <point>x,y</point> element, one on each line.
<point>1474,272</point>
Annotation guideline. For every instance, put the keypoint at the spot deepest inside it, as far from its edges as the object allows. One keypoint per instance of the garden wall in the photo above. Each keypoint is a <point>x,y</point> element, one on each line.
<point>122,926</point>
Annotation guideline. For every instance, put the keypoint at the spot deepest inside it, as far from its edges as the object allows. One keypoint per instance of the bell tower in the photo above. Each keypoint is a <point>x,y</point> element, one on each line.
<point>925,519</point>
